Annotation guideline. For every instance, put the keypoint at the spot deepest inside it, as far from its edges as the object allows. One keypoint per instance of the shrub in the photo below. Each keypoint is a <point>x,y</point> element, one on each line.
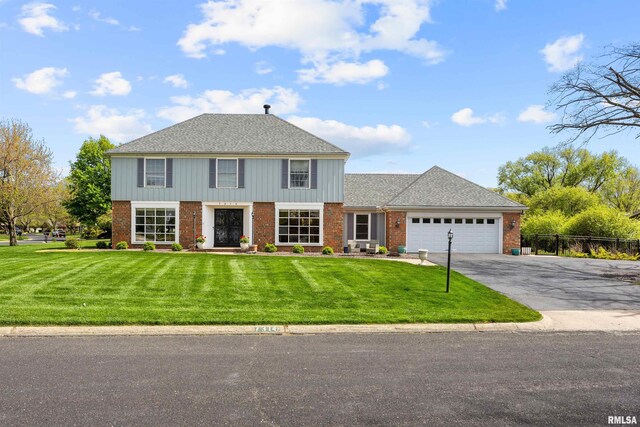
<point>91,232</point>
<point>176,247</point>
<point>270,247</point>
<point>327,250</point>
<point>383,250</point>
<point>122,245</point>
<point>543,223</point>
<point>102,245</point>
<point>72,243</point>
<point>602,221</point>
<point>297,249</point>
<point>148,246</point>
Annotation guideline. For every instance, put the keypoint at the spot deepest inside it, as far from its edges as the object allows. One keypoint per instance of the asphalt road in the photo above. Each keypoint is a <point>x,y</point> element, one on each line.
<point>554,283</point>
<point>33,240</point>
<point>409,379</point>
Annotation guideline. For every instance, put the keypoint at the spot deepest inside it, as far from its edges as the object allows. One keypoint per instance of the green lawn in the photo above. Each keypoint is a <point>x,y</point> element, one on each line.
<point>120,287</point>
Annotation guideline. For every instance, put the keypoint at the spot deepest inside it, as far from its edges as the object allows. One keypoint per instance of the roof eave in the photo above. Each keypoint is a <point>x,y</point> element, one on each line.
<point>462,208</point>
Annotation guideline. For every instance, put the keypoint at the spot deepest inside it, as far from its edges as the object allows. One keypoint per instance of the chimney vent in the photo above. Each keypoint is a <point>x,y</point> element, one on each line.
<point>266,108</point>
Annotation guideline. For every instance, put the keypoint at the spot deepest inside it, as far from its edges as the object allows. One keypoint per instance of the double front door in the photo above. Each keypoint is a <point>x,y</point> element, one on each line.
<point>228,227</point>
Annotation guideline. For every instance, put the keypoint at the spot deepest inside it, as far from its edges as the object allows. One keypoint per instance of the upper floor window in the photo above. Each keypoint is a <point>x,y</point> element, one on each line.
<point>155,172</point>
<point>299,173</point>
<point>227,173</point>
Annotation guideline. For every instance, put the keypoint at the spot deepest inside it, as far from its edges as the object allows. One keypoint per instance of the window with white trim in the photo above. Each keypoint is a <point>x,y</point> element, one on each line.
<point>362,227</point>
<point>154,172</point>
<point>156,225</point>
<point>227,173</point>
<point>299,226</point>
<point>299,173</point>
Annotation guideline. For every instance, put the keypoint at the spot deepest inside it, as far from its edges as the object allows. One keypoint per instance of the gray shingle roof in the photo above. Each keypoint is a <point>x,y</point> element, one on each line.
<point>440,188</point>
<point>230,133</point>
<point>374,189</point>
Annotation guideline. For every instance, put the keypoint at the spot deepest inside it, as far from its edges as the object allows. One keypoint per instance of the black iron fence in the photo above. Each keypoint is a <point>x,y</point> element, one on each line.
<point>562,244</point>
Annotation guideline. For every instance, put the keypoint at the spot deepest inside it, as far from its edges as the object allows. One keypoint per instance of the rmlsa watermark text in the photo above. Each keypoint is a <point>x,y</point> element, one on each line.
<point>622,420</point>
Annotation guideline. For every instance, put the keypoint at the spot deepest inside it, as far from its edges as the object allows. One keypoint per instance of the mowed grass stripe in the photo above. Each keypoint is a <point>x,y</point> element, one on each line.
<point>113,287</point>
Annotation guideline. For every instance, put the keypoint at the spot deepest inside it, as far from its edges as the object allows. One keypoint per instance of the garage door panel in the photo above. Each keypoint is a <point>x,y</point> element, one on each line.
<point>468,238</point>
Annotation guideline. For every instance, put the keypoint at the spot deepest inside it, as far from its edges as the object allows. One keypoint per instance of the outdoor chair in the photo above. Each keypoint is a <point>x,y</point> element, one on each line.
<point>373,247</point>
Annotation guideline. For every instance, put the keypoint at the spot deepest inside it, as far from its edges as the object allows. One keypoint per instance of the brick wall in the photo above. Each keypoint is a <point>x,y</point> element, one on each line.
<point>510,236</point>
<point>333,221</point>
<point>186,223</point>
<point>396,235</point>
<point>264,223</point>
<point>121,227</point>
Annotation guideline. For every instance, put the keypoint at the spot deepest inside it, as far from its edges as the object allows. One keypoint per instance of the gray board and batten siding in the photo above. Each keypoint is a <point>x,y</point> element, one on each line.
<point>262,182</point>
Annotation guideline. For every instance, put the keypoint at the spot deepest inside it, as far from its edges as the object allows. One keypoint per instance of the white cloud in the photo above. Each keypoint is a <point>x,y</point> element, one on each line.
<point>562,54</point>
<point>536,114</point>
<point>35,17</point>
<point>359,141</point>
<point>324,32</point>
<point>70,94</point>
<point>340,73</point>
<point>262,67</point>
<point>500,5</point>
<point>117,126</point>
<point>176,80</point>
<point>111,84</point>
<point>497,118</point>
<point>465,117</point>
<point>283,101</point>
<point>94,14</point>
<point>41,81</point>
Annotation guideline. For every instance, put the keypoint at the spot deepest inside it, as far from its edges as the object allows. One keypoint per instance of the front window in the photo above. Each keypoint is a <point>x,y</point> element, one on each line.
<point>155,170</point>
<point>299,226</point>
<point>155,225</point>
<point>362,227</point>
<point>227,173</point>
<point>299,174</point>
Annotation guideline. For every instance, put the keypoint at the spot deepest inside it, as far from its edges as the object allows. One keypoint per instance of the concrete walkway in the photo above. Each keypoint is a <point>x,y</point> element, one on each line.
<point>553,321</point>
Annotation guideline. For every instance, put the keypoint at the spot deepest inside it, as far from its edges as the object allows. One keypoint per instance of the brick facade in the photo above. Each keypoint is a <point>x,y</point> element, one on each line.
<point>264,227</point>
<point>264,223</point>
<point>510,236</point>
<point>396,234</point>
<point>333,221</point>
<point>121,226</point>
<point>187,209</point>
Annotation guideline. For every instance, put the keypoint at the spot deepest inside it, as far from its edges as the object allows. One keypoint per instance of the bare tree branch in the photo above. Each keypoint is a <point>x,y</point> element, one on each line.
<point>600,97</point>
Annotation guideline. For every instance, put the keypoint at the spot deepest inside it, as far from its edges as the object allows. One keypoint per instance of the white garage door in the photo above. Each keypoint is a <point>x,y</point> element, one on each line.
<point>470,234</point>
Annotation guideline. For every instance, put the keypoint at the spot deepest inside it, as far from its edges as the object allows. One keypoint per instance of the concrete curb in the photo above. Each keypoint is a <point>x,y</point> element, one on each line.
<point>552,321</point>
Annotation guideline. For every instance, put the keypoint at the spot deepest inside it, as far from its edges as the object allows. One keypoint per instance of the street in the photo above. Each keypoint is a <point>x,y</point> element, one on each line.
<point>395,379</point>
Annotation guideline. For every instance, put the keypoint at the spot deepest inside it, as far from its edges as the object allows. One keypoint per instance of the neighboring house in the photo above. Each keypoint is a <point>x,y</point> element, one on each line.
<point>228,175</point>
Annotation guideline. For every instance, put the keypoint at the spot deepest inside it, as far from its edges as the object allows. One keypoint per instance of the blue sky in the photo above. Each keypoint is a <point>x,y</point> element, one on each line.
<point>402,84</point>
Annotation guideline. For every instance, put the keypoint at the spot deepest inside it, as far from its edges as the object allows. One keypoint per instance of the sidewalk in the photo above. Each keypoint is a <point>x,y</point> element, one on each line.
<point>553,321</point>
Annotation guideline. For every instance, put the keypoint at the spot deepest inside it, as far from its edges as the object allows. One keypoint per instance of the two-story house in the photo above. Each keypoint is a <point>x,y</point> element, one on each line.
<point>228,175</point>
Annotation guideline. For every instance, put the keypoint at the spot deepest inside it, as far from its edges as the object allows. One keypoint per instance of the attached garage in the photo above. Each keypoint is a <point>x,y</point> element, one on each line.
<point>419,210</point>
<point>472,233</point>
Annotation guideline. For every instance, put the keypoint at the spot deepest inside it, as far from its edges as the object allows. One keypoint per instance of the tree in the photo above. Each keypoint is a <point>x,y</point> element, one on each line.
<point>26,174</point>
<point>623,193</point>
<point>603,96</point>
<point>551,222</point>
<point>562,166</point>
<point>90,181</point>
<point>54,212</point>
<point>567,200</point>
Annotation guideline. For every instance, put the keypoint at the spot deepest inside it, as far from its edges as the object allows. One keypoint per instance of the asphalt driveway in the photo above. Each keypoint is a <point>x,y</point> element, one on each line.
<point>554,283</point>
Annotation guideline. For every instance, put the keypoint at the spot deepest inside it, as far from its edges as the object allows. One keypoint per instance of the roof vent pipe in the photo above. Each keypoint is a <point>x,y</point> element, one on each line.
<point>266,108</point>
